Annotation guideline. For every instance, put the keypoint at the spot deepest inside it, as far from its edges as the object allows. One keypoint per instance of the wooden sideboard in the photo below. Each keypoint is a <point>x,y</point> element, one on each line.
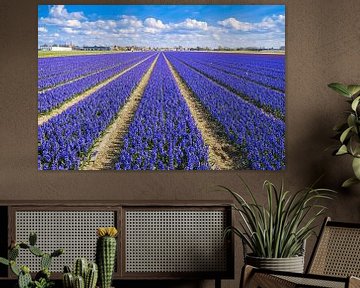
<point>157,240</point>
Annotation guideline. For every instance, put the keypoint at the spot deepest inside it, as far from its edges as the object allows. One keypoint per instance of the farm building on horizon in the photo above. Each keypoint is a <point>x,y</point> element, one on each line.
<point>56,47</point>
<point>70,47</point>
<point>95,48</point>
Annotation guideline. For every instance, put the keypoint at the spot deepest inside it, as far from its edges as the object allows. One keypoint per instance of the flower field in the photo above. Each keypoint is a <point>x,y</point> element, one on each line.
<point>161,111</point>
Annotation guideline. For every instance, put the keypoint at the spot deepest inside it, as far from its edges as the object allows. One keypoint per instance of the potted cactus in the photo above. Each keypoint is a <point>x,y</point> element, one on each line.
<point>106,254</point>
<point>42,278</point>
<point>84,275</point>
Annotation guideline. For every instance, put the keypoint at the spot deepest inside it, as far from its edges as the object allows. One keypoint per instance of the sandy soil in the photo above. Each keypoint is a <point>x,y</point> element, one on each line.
<point>107,149</point>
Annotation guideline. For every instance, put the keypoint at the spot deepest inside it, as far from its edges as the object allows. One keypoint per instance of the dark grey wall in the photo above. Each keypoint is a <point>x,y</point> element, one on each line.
<point>322,45</point>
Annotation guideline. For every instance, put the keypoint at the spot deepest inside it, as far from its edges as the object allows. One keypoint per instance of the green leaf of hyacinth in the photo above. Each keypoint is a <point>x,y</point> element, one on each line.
<point>356,167</point>
<point>349,182</point>
<point>340,88</point>
<point>353,89</point>
<point>342,150</point>
<point>355,103</point>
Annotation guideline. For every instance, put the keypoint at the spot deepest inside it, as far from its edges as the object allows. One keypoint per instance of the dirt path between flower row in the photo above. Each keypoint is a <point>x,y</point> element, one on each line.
<point>44,118</point>
<point>108,147</point>
<point>242,96</point>
<point>223,155</point>
<point>76,78</point>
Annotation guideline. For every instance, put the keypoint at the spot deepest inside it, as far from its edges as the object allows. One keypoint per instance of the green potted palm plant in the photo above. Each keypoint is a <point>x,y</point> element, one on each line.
<point>274,234</point>
<point>348,132</point>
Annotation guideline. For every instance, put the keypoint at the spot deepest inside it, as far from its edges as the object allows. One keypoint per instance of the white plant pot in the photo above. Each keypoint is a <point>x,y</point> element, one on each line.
<point>291,264</point>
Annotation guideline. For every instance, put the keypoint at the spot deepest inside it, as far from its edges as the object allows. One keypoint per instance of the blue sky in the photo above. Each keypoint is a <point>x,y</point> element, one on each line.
<point>163,25</point>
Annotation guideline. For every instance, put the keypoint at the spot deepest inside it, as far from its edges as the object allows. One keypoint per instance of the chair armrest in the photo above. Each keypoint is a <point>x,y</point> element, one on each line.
<point>252,277</point>
<point>246,273</point>
<point>354,282</point>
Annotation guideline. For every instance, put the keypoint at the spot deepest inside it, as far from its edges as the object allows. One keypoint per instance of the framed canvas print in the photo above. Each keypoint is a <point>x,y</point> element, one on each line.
<point>161,87</point>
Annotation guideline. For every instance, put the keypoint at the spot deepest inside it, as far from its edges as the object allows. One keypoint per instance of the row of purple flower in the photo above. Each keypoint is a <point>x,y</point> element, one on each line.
<point>163,134</point>
<point>257,92</point>
<point>66,140</point>
<point>258,134</point>
<point>52,98</point>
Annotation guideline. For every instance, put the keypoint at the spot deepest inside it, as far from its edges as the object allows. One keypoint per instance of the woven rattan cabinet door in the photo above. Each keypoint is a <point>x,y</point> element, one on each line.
<point>165,242</point>
<point>73,230</point>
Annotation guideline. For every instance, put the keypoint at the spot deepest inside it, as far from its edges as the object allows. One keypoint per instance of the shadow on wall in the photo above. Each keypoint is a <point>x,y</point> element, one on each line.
<point>335,169</point>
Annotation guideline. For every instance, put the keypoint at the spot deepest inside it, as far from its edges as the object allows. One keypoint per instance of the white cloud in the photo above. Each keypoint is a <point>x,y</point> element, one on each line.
<point>63,26</point>
<point>130,21</point>
<point>216,36</point>
<point>192,24</point>
<point>151,30</point>
<point>60,12</point>
<point>130,30</point>
<point>99,25</point>
<point>237,25</point>
<point>274,23</point>
<point>59,16</point>
<point>73,23</point>
<point>154,23</point>
<point>42,29</point>
<point>105,24</point>
<point>51,21</point>
<point>70,30</point>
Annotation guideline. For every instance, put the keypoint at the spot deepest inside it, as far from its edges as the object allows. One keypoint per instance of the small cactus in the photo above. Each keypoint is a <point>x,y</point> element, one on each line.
<point>91,276</point>
<point>89,272</point>
<point>13,253</point>
<point>45,261</point>
<point>68,280</point>
<point>44,273</point>
<point>24,278</point>
<point>4,261</point>
<point>36,251</point>
<point>106,254</point>
<point>32,239</point>
<point>79,282</point>
<point>67,269</point>
<point>57,252</point>
<point>24,246</point>
<point>80,268</point>
<point>25,269</point>
<point>14,268</point>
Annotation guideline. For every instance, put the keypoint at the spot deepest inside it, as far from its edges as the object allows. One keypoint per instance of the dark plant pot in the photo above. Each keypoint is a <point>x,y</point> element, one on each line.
<point>291,264</point>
